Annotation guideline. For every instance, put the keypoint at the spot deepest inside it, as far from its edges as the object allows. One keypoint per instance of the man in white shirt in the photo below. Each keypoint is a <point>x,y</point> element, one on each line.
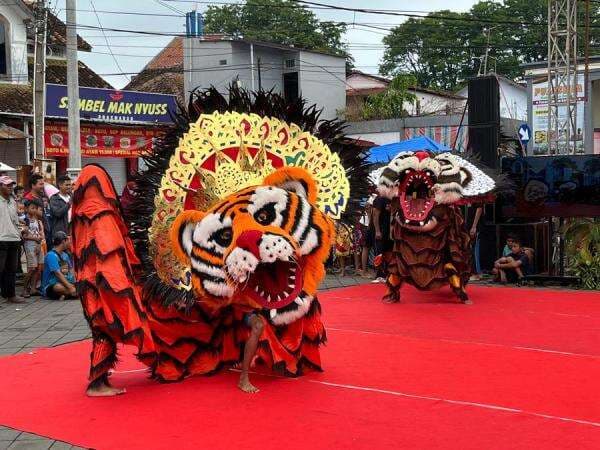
<point>10,240</point>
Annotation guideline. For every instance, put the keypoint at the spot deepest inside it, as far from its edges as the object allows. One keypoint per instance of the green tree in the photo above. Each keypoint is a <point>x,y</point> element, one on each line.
<point>445,48</point>
<point>390,103</point>
<point>279,21</point>
<point>432,49</point>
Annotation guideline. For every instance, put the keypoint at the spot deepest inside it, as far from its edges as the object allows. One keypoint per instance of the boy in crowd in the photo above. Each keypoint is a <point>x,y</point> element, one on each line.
<point>56,285</point>
<point>507,250</point>
<point>33,236</point>
<point>515,266</point>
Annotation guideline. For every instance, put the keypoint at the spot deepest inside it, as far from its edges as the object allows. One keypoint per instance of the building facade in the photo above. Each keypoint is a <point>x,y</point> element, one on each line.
<point>218,61</point>
<point>360,85</point>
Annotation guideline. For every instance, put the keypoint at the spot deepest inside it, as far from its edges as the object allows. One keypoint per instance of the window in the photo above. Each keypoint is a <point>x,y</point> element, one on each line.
<point>290,63</point>
<point>223,62</point>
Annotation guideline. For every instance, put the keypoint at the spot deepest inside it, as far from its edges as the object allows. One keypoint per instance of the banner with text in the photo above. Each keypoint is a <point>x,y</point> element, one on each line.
<point>110,105</point>
<point>539,112</point>
<point>100,141</point>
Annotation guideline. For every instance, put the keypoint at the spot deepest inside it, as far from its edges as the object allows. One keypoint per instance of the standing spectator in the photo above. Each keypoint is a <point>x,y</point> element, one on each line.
<point>19,193</point>
<point>60,205</point>
<point>343,244</point>
<point>361,240</point>
<point>36,188</point>
<point>37,192</point>
<point>56,285</point>
<point>10,240</point>
<point>358,242</point>
<point>473,217</point>
<point>381,219</point>
<point>33,237</point>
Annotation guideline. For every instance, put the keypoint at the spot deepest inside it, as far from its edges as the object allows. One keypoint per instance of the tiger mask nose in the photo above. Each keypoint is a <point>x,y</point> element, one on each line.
<point>250,240</point>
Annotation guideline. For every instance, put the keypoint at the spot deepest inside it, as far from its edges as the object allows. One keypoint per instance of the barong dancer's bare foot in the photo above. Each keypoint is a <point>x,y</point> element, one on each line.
<point>256,328</point>
<point>102,388</point>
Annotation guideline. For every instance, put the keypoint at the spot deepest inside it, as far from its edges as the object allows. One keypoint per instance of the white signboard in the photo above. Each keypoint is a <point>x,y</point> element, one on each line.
<point>540,117</point>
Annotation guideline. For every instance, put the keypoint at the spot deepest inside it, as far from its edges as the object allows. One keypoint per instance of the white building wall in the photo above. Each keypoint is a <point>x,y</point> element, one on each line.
<point>358,81</point>
<point>432,104</point>
<point>322,81</point>
<point>513,100</point>
<point>321,78</point>
<point>16,44</point>
<point>202,65</point>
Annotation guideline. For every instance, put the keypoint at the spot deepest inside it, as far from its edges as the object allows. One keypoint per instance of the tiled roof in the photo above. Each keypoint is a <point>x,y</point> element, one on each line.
<point>18,98</point>
<point>164,73</point>
<point>56,73</point>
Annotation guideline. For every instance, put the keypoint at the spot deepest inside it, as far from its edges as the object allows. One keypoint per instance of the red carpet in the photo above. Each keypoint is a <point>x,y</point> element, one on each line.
<point>519,369</point>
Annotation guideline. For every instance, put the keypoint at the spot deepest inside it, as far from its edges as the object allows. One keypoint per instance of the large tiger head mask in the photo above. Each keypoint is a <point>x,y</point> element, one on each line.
<point>423,182</point>
<point>264,246</point>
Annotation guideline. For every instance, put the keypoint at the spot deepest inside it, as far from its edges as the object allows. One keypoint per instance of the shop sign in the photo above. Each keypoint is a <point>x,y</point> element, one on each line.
<point>109,105</point>
<point>100,141</point>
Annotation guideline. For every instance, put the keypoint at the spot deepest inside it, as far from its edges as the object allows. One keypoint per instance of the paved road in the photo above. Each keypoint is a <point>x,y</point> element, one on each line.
<point>45,323</point>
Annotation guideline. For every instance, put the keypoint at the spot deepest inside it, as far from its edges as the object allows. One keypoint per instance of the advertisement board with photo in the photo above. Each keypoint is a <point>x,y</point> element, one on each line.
<point>539,111</point>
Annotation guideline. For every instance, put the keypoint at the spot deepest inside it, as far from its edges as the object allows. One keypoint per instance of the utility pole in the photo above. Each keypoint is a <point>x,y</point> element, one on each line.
<point>73,91</point>
<point>259,76</point>
<point>562,77</point>
<point>39,77</point>
<point>483,66</point>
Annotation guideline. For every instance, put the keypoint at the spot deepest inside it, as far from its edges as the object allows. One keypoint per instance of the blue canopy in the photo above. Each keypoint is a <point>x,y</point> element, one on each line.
<point>384,153</point>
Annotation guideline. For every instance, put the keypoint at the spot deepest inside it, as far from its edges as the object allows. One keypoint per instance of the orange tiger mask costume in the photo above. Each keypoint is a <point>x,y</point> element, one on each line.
<point>179,284</point>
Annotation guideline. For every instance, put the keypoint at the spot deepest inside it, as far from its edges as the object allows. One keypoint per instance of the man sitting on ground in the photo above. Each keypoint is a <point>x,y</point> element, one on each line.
<point>55,284</point>
<point>513,267</point>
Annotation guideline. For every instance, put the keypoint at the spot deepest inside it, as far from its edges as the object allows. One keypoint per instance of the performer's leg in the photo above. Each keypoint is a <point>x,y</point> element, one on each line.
<point>103,359</point>
<point>456,283</point>
<point>393,280</point>
<point>256,327</point>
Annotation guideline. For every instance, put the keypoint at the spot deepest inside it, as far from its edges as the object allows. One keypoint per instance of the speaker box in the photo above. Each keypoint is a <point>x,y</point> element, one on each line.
<point>484,119</point>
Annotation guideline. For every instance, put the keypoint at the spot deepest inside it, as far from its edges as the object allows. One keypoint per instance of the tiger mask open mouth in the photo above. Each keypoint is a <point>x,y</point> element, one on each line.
<point>265,245</point>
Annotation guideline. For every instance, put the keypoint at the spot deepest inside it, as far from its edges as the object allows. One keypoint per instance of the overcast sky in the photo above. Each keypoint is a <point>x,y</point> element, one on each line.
<point>133,51</point>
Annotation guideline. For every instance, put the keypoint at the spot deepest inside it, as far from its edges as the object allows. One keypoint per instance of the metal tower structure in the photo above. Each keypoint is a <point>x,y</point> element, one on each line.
<point>562,76</point>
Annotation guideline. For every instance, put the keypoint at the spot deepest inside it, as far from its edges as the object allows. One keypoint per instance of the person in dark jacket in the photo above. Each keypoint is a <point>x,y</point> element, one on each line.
<point>60,204</point>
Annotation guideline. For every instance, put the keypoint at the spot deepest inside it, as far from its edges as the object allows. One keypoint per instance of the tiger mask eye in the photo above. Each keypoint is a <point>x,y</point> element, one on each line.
<point>223,237</point>
<point>266,215</point>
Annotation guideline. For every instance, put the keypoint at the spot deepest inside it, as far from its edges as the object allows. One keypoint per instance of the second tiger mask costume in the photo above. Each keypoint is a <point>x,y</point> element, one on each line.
<point>431,246</point>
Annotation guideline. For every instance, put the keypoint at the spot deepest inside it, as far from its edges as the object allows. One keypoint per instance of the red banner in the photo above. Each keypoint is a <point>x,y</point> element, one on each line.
<point>100,141</point>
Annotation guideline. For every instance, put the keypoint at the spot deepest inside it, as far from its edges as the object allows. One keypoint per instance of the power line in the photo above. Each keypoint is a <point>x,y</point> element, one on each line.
<point>106,39</point>
<point>172,8</point>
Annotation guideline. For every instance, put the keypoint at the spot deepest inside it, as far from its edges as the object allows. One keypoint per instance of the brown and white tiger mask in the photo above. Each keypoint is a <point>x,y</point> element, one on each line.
<point>423,180</point>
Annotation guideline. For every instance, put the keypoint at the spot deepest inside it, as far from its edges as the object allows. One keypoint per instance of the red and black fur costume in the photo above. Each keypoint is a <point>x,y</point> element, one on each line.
<point>177,332</point>
<point>431,245</point>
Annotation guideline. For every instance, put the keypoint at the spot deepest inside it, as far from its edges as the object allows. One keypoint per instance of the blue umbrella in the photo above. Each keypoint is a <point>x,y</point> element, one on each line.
<point>384,153</point>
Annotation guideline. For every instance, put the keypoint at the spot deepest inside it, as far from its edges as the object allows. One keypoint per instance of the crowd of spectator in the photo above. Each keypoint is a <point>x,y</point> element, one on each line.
<point>31,223</point>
